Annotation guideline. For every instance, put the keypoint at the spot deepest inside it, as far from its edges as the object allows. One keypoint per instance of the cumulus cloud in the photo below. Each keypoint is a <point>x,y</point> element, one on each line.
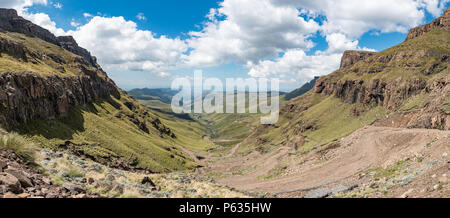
<point>270,37</point>
<point>120,45</point>
<point>345,21</point>
<point>296,63</point>
<point>434,7</point>
<point>354,18</point>
<point>20,5</point>
<point>241,31</point>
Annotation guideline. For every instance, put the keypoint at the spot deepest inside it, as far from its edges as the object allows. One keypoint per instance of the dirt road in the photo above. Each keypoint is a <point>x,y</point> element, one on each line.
<point>366,148</point>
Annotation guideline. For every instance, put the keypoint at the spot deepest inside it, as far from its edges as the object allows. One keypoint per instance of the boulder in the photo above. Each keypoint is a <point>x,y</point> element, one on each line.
<point>319,193</point>
<point>23,179</point>
<point>148,181</point>
<point>10,182</point>
<point>73,188</point>
<point>3,165</point>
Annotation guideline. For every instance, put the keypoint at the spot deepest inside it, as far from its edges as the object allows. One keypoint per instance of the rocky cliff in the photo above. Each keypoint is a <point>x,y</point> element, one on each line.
<point>11,22</point>
<point>73,77</point>
<point>26,96</point>
<point>441,22</point>
<point>414,73</point>
<point>351,57</point>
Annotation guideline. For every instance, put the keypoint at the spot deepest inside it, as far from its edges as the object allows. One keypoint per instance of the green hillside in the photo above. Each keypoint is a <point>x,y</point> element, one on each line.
<point>112,131</point>
<point>319,118</point>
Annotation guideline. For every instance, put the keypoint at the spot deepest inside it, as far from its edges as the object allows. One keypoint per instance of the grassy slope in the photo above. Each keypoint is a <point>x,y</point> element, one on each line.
<point>109,136</point>
<point>225,130</point>
<point>44,66</point>
<point>105,134</point>
<point>434,45</point>
<point>331,119</point>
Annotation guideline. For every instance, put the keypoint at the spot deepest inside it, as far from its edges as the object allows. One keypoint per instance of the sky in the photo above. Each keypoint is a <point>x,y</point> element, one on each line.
<point>149,43</point>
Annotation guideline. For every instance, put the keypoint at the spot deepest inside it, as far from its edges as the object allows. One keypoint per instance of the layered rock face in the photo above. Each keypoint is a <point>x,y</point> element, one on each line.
<point>397,76</point>
<point>69,43</point>
<point>11,22</point>
<point>374,92</point>
<point>28,95</point>
<point>351,57</point>
<point>441,22</point>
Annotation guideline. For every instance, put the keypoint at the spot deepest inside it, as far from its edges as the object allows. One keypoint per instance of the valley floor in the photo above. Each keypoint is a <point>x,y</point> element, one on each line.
<point>371,162</point>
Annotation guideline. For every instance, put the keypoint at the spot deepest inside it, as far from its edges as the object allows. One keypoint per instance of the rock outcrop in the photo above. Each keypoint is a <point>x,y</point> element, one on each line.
<point>10,21</point>
<point>391,79</point>
<point>28,95</point>
<point>351,57</point>
<point>18,180</point>
<point>69,43</point>
<point>13,49</point>
<point>442,22</point>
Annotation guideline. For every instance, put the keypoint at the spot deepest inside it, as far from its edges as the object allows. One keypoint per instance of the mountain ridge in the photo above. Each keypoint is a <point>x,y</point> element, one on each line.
<point>54,92</point>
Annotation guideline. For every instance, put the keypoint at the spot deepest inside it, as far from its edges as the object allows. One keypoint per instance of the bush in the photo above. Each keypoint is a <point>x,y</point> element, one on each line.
<point>19,145</point>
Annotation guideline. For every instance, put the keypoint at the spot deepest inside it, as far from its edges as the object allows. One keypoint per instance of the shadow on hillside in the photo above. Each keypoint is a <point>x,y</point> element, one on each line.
<point>170,113</point>
<point>60,128</point>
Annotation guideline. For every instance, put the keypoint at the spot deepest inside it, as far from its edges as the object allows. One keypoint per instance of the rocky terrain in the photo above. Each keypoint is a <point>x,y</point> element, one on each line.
<point>19,180</point>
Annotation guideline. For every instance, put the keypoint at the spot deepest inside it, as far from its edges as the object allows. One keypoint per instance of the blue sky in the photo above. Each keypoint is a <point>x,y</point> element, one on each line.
<point>149,43</point>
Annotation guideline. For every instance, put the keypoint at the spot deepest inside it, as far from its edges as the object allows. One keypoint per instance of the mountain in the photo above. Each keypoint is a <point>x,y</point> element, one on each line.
<point>378,126</point>
<point>403,86</point>
<point>164,95</point>
<point>302,90</point>
<point>54,92</point>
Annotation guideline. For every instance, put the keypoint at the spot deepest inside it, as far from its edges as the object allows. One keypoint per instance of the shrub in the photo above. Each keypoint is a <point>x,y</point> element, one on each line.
<point>19,145</point>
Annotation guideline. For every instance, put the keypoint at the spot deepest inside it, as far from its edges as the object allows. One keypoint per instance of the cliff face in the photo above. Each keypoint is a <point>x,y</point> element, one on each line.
<point>351,57</point>
<point>411,79</point>
<point>441,22</point>
<point>25,95</point>
<point>11,22</point>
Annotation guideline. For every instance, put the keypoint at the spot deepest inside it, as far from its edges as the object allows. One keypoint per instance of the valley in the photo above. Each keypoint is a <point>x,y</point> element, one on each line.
<point>379,126</point>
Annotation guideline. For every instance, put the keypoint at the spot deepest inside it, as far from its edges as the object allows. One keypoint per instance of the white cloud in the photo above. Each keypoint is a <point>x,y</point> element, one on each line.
<point>74,23</point>
<point>57,5</point>
<point>354,18</point>
<point>241,31</point>
<point>295,63</point>
<point>87,15</point>
<point>20,5</point>
<point>270,37</point>
<point>141,16</point>
<point>435,7</point>
<point>120,45</point>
